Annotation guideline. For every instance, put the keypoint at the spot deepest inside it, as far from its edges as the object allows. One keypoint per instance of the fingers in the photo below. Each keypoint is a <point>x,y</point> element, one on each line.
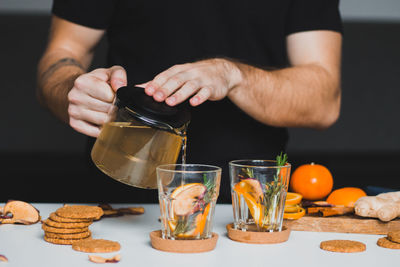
<point>84,114</point>
<point>84,127</point>
<point>81,99</point>
<point>101,74</point>
<point>203,80</point>
<point>91,98</point>
<point>183,93</point>
<point>96,88</point>
<point>118,77</point>
<point>171,85</point>
<point>143,85</point>
<point>158,81</point>
<point>201,96</point>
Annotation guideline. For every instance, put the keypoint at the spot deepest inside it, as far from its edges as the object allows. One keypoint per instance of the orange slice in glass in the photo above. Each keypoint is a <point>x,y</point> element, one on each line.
<point>252,193</point>
<point>183,201</point>
<point>200,222</point>
<point>255,209</point>
<point>251,187</point>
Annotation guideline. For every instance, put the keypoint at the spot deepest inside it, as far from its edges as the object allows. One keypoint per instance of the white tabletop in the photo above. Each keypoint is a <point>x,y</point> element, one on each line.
<point>24,246</point>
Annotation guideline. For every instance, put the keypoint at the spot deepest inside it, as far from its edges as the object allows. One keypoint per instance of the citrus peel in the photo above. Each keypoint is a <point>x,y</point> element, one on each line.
<point>293,198</point>
<point>294,215</point>
<point>292,208</point>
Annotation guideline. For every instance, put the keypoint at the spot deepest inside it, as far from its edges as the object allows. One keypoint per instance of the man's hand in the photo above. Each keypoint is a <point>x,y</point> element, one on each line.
<point>210,79</point>
<point>91,98</point>
<point>307,94</point>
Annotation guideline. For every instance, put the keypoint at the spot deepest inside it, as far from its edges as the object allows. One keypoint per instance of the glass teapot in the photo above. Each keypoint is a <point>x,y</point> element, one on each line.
<point>140,135</point>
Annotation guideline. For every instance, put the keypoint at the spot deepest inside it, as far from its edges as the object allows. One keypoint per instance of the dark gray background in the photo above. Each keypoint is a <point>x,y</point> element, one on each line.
<point>362,148</point>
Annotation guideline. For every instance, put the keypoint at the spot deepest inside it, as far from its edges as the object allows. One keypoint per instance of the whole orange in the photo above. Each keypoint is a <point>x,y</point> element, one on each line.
<point>313,181</point>
<point>346,196</point>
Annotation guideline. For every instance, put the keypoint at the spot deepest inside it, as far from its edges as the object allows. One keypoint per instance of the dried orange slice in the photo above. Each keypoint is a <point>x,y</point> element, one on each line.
<point>186,199</point>
<point>294,215</point>
<point>181,188</point>
<point>292,208</point>
<point>183,199</point>
<point>293,198</point>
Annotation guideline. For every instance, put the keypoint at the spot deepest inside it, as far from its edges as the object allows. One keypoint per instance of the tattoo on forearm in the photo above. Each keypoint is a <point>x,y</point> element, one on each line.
<point>61,63</point>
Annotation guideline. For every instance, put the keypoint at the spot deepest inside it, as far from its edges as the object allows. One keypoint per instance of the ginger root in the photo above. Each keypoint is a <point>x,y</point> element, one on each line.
<point>385,206</point>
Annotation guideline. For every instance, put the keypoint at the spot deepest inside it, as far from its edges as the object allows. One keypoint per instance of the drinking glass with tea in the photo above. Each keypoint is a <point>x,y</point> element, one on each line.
<point>259,190</point>
<point>188,194</point>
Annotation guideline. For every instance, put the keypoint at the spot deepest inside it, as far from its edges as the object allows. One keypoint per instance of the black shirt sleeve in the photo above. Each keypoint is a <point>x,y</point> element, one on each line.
<point>308,15</point>
<point>90,13</point>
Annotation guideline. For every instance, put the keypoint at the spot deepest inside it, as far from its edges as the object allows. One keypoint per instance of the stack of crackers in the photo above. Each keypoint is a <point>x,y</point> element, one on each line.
<point>392,240</point>
<point>70,224</point>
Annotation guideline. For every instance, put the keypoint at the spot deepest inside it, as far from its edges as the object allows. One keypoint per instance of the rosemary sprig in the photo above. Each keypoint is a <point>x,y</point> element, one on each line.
<point>248,172</point>
<point>210,189</point>
<point>281,160</point>
<point>273,191</point>
<point>185,223</point>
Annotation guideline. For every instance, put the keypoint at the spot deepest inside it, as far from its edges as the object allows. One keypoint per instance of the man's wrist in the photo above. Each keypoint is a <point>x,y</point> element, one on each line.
<point>234,73</point>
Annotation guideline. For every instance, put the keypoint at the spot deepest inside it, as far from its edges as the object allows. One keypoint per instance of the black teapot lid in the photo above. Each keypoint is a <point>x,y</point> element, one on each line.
<point>151,112</point>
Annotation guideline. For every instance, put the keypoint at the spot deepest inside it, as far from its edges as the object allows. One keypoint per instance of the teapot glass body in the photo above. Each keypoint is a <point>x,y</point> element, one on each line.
<point>129,148</point>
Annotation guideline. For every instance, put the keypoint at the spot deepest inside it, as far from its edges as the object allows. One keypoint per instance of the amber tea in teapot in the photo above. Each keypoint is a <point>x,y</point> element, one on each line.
<point>135,141</point>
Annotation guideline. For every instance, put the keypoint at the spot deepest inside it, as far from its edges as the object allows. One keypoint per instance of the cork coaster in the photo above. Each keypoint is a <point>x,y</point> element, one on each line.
<point>67,225</point>
<point>54,217</point>
<point>52,229</point>
<point>254,237</point>
<point>344,246</point>
<point>60,241</point>
<point>96,246</point>
<point>80,212</point>
<point>394,236</point>
<point>68,236</point>
<point>182,246</point>
<point>386,243</point>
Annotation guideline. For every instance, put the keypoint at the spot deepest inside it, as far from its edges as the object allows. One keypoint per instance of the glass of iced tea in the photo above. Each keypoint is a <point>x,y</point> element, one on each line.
<point>187,195</point>
<point>259,190</point>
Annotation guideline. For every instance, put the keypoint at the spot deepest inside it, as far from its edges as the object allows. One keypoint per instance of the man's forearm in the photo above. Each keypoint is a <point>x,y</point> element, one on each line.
<point>56,75</point>
<point>301,96</point>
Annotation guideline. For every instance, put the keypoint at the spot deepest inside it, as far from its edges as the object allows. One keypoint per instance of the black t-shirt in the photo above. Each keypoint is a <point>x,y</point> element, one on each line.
<point>149,36</point>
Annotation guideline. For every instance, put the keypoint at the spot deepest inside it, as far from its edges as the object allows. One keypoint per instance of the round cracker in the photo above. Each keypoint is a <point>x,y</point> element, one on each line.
<point>68,236</point>
<point>80,212</point>
<point>394,236</point>
<point>51,229</point>
<point>96,246</point>
<point>67,225</point>
<point>386,243</point>
<point>60,241</point>
<point>344,246</point>
<point>54,217</point>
